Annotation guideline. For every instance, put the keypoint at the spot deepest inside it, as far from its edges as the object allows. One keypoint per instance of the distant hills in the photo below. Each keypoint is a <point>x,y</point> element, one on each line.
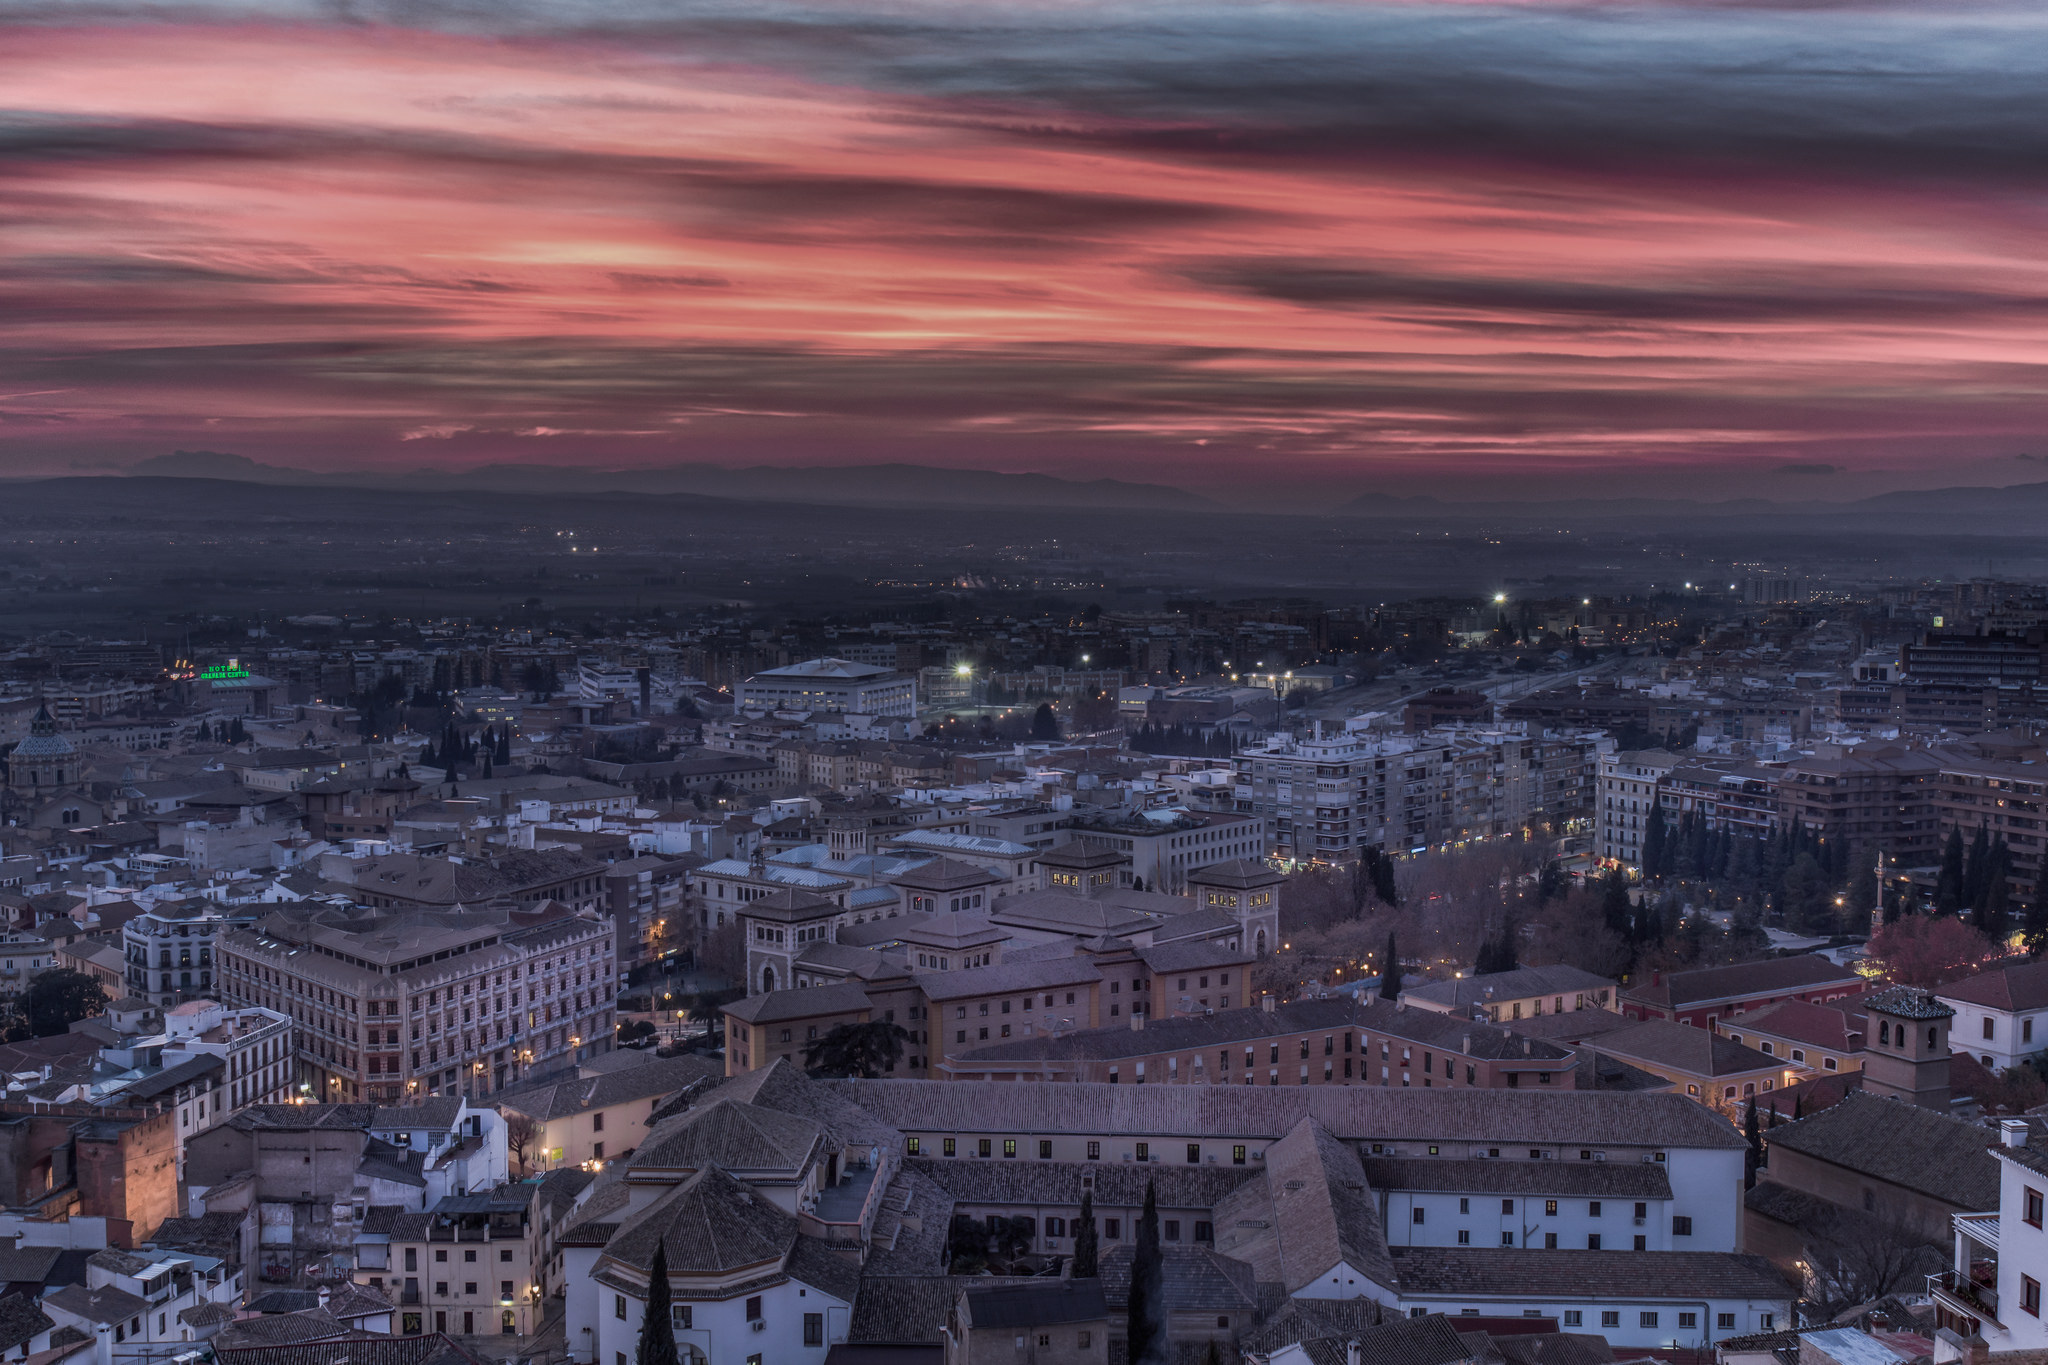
<point>891,485</point>
<point>2027,500</point>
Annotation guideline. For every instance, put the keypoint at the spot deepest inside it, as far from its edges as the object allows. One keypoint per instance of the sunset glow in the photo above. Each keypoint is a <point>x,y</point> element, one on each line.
<point>1394,247</point>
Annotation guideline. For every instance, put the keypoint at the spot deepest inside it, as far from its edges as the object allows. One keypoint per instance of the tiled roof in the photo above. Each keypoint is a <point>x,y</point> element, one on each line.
<point>1308,1211</point>
<point>731,1134</point>
<point>1560,1118</point>
<point>1504,1273</point>
<point>1906,1002</point>
<point>21,1321</point>
<point>1239,874</point>
<point>1574,1179</point>
<point>909,1309</point>
<point>1461,995</point>
<point>432,1349</point>
<point>1005,977</point>
<point>654,1076</point>
<point>1115,1185</point>
<point>1198,1280</point>
<point>1695,1051</point>
<point>1022,1307</point>
<point>1901,1144</point>
<point>1312,1319</point>
<point>1799,1021</point>
<point>1742,980</point>
<point>709,1224</point>
<point>2022,987</point>
<point>804,1002</point>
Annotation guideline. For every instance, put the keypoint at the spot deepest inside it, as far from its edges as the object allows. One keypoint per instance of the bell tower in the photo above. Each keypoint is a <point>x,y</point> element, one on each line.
<point>1906,1047</point>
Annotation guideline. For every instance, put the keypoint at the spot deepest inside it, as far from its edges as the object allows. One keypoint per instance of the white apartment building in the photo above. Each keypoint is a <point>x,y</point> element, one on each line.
<point>1628,789</point>
<point>1327,798</point>
<point>170,951</point>
<point>830,685</point>
<point>2001,1255</point>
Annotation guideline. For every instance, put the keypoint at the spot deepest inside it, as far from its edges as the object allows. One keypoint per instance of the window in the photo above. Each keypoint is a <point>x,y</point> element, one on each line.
<point>1507,1239</point>
<point>1144,1151</point>
<point>1009,1146</point>
<point>1592,1241</point>
<point>1237,1155</point>
<point>1574,1318</point>
<point>1194,1153</point>
<point>913,1146</point>
<point>1055,1227</point>
<point>1593,1208</point>
<point>2032,1212</point>
<point>1610,1319</point>
<point>2026,1030</point>
<point>1689,1320</point>
<point>469,1256</point>
<point>2030,1295</point>
<point>1112,1228</point>
<point>506,1255</point>
<point>814,1329</point>
<point>1550,1208</point>
<point>951,1147</point>
<point>1987,1026</point>
<point>469,1289</point>
<point>1464,1237</point>
<point>679,1316</point>
<point>985,1146</point>
<point>1172,1230</point>
<point>1642,1242</point>
<point>1045,1149</point>
<point>1205,1232</point>
<point>618,1304</point>
<point>597,1122</point>
<point>1550,1241</point>
<point>1087,1340</point>
<point>1681,1225</point>
<point>1095,1151</point>
<point>1507,1206</point>
<point>1646,1319</point>
<point>754,1309</point>
<point>1724,1321</point>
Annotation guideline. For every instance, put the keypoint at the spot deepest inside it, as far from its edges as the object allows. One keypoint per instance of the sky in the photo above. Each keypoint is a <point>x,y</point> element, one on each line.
<point>1278,252</point>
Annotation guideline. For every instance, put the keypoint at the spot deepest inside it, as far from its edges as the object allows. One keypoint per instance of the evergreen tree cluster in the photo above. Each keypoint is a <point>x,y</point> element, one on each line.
<point>1497,953</point>
<point>1975,881</point>
<point>224,731</point>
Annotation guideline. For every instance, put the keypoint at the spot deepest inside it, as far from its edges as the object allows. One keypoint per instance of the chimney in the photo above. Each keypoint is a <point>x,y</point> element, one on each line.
<point>1268,1003</point>
<point>325,1295</point>
<point>2012,1132</point>
<point>1354,1354</point>
<point>1466,1044</point>
<point>1657,977</point>
<point>1962,1350</point>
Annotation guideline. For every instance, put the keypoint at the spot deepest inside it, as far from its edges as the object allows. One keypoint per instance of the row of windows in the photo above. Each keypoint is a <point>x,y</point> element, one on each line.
<point>1645,1318</point>
<point>1142,1151</point>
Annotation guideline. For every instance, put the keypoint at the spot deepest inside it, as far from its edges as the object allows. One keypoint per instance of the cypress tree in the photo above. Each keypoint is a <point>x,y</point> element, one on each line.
<point>1145,1327</point>
<point>1390,972</point>
<point>1948,885</point>
<point>1654,841</point>
<point>1977,869</point>
<point>1084,1239</point>
<point>1754,1156</point>
<point>657,1330</point>
<point>1383,881</point>
<point>502,751</point>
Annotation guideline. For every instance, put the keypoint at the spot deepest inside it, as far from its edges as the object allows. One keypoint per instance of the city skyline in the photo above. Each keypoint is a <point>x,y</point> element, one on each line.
<point>1464,251</point>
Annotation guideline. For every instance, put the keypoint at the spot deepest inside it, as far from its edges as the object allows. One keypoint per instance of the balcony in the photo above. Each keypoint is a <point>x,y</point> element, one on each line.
<point>1967,1295</point>
<point>1981,1228</point>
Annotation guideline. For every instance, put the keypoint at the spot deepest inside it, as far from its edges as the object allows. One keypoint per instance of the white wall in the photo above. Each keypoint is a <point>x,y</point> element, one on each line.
<point>1530,1222</point>
<point>720,1329</point>
<point>2006,1047</point>
<point>1744,1316</point>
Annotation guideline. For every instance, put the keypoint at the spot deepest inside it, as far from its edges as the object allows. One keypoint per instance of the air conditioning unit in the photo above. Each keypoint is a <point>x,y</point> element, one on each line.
<point>1212,1159</point>
<point>1641,1221</point>
<point>759,1324</point>
<point>1127,1156</point>
<point>1599,1156</point>
<point>1258,1156</point>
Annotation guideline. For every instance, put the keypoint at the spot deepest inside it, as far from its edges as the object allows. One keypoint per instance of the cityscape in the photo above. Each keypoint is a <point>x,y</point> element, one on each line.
<point>1345,682</point>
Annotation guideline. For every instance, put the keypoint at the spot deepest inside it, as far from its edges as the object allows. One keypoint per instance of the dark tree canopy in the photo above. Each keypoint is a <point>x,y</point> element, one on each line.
<point>863,1050</point>
<point>58,998</point>
<point>1146,1320</point>
<point>657,1330</point>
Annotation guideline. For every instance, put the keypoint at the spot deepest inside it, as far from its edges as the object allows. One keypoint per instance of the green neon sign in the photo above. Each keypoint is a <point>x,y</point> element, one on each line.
<point>221,673</point>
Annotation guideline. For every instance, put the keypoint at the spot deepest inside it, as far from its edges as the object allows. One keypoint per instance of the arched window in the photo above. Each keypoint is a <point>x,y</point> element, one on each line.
<point>1884,1031</point>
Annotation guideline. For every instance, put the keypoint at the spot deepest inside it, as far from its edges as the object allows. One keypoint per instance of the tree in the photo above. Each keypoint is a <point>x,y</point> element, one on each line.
<point>1497,954</point>
<point>1928,951</point>
<point>58,998</point>
<point>1383,880</point>
<point>1808,907</point>
<point>1948,885</point>
<point>1855,1257</point>
<point>1977,868</point>
<point>1145,1327</point>
<point>657,1328</point>
<point>1084,1239</point>
<point>1390,970</point>
<point>1753,1157</point>
<point>521,1132</point>
<point>1655,851</point>
<point>2034,932</point>
<point>1045,726</point>
<point>863,1050</point>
